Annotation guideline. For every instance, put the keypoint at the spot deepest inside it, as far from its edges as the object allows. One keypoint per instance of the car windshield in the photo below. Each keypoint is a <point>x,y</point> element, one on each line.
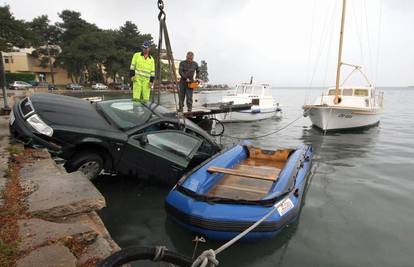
<point>126,114</point>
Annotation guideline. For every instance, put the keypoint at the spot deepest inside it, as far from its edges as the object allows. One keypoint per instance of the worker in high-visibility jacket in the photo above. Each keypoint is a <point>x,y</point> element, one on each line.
<point>142,73</point>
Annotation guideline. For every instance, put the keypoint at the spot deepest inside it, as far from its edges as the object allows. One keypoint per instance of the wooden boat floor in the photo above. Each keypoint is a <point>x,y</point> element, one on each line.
<point>247,188</point>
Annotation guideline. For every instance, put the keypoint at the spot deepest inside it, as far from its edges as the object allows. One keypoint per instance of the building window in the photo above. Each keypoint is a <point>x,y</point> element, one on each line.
<point>6,60</point>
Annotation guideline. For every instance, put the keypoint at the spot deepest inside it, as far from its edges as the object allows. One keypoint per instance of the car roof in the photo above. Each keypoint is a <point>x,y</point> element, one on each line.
<point>168,115</point>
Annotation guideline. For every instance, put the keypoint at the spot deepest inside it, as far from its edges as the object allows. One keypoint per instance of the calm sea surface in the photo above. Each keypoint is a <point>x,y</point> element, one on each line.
<point>358,210</point>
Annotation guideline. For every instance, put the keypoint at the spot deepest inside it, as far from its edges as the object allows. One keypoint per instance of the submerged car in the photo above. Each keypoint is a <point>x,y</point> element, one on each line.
<point>118,136</point>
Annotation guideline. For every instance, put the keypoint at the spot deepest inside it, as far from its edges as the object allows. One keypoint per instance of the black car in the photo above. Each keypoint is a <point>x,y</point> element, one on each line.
<point>118,136</point>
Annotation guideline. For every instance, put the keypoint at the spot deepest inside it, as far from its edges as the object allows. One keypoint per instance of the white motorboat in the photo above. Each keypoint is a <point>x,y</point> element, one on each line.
<point>343,107</point>
<point>263,104</point>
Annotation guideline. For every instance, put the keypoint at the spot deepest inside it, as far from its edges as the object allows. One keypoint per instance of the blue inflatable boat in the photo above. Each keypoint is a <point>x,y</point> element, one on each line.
<point>237,187</point>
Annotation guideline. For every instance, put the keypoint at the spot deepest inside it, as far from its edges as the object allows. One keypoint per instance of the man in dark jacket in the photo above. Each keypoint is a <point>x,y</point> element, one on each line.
<point>186,70</point>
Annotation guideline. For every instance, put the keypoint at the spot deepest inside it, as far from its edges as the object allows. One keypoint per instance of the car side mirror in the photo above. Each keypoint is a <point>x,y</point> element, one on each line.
<point>143,140</point>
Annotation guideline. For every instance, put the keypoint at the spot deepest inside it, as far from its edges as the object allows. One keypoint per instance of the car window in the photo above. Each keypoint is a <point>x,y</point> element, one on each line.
<point>176,143</point>
<point>126,114</point>
<point>206,147</point>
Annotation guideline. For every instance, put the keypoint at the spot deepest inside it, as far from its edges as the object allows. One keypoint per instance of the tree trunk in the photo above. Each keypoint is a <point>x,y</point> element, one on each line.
<point>52,75</point>
<point>3,81</point>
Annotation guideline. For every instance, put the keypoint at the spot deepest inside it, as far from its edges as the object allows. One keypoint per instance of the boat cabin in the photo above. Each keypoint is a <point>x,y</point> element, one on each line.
<point>360,97</point>
<point>253,90</point>
<point>256,94</point>
<point>359,92</point>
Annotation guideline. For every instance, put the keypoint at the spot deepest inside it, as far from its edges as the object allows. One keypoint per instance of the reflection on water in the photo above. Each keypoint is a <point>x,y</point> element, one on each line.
<point>358,208</point>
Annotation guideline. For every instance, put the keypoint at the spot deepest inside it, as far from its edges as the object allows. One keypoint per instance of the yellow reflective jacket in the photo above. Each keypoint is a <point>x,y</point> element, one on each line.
<point>143,67</point>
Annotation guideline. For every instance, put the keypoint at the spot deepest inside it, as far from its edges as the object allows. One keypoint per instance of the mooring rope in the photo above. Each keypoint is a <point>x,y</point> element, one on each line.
<point>272,132</point>
<point>208,257</point>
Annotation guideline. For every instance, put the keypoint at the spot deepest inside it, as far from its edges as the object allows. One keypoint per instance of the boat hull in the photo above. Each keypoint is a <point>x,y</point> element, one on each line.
<point>225,220</point>
<point>248,115</point>
<point>336,119</point>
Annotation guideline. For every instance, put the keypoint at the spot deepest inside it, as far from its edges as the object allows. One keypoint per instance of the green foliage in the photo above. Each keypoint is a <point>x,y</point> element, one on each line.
<point>203,71</point>
<point>73,26</point>
<point>13,32</point>
<point>85,51</point>
<point>25,77</point>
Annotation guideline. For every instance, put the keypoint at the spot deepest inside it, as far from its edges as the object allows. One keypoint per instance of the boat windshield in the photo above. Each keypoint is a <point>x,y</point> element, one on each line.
<point>361,92</point>
<point>332,92</point>
<point>347,92</point>
<point>257,90</point>
<point>249,89</point>
<point>126,114</point>
<point>350,92</point>
<point>240,89</point>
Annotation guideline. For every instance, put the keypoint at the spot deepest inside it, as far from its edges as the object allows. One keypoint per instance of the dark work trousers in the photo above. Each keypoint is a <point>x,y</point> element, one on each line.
<point>183,93</point>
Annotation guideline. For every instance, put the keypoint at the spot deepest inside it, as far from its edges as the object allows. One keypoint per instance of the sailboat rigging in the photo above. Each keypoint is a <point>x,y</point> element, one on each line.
<point>346,107</point>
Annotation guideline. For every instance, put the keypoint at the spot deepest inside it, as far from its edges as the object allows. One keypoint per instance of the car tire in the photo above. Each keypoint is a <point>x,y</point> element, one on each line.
<point>88,163</point>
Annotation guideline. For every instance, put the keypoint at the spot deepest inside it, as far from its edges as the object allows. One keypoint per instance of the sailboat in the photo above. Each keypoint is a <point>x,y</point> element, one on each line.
<point>346,107</point>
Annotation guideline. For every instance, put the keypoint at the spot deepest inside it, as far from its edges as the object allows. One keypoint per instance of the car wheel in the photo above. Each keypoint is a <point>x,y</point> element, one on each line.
<point>90,164</point>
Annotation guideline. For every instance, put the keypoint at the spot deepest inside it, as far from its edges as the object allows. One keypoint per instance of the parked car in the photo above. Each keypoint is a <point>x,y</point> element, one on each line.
<point>119,86</point>
<point>51,86</point>
<point>99,86</point>
<point>33,83</point>
<point>74,86</point>
<point>19,85</point>
<point>119,136</point>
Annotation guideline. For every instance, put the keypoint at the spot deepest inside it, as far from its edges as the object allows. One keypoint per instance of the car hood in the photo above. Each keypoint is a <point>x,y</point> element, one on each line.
<point>68,111</point>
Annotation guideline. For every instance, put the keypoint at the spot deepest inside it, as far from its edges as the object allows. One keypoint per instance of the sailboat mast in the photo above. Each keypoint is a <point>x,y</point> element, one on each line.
<point>341,38</point>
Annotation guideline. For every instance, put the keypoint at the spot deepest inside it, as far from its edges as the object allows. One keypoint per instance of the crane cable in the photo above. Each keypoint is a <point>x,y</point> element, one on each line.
<point>163,33</point>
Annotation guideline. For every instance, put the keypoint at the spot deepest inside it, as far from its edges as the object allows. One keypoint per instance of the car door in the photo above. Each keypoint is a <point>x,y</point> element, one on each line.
<point>162,154</point>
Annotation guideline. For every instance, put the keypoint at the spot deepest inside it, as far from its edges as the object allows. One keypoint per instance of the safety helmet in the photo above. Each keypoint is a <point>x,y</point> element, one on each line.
<point>146,44</point>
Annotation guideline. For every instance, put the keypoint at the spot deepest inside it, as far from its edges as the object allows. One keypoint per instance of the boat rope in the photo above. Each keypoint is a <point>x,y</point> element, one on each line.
<point>159,253</point>
<point>208,257</point>
<point>377,57</point>
<point>369,41</point>
<point>272,132</point>
<point>323,41</point>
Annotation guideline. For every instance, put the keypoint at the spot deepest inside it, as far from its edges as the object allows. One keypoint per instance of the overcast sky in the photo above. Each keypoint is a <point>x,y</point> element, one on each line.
<point>284,43</point>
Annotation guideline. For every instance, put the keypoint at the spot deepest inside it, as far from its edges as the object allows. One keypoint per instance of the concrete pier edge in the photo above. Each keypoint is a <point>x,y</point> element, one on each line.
<point>61,226</point>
